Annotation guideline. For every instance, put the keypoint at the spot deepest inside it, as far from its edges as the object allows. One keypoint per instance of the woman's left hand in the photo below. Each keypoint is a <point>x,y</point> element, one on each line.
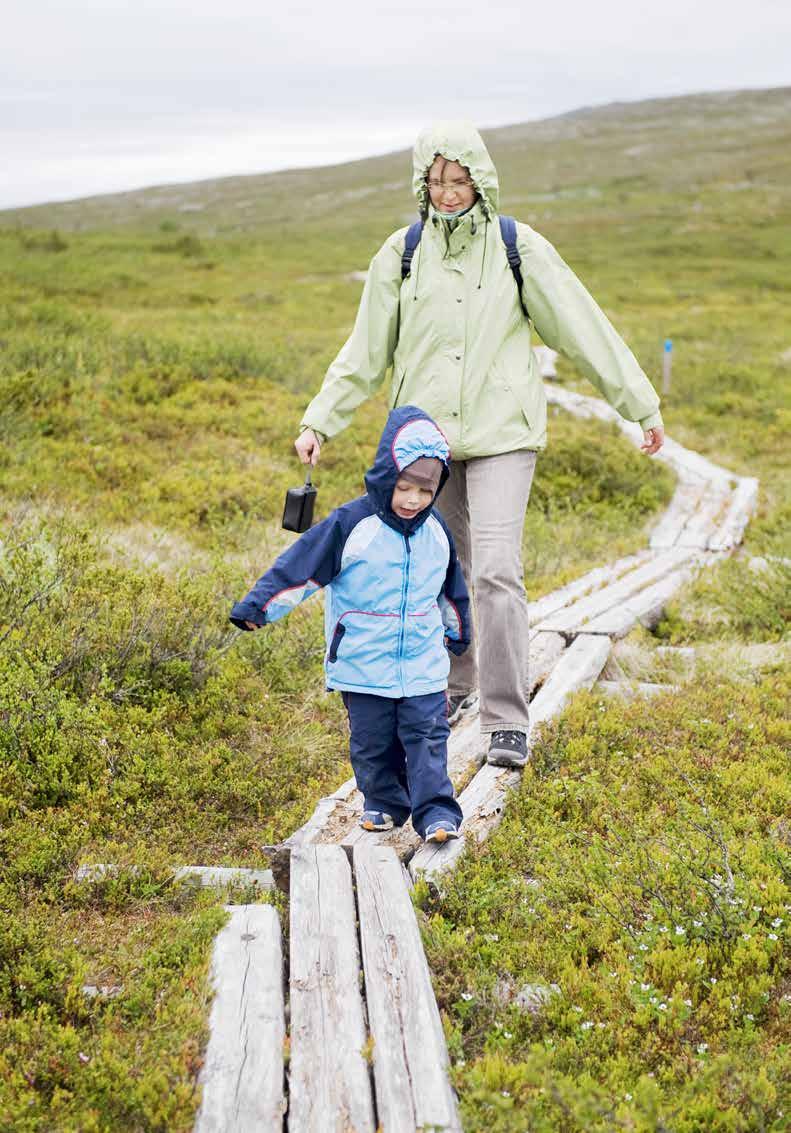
<point>654,439</point>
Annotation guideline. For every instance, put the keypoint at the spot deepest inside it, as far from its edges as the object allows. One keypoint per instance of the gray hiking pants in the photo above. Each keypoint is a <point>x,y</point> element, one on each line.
<point>484,503</point>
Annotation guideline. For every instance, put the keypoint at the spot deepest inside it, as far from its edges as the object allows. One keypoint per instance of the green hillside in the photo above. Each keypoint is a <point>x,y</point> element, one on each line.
<point>156,349</point>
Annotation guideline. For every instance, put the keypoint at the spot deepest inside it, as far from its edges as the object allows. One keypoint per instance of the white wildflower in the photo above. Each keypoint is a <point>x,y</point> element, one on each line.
<point>680,930</point>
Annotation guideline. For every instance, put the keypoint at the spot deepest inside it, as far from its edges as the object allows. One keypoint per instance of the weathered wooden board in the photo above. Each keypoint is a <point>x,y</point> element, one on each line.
<point>482,801</point>
<point>686,498</point>
<point>630,690</point>
<point>207,876</point>
<point>647,606</point>
<point>705,520</point>
<point>595,579</point>
<point>546,649</point>
<point>242,1075</point>
<point>576,618</point>
<point>329,1081</point>
<point>743,504</point>
<point>325,808</point>
<point>578,668</point>
<point>409,1052</point>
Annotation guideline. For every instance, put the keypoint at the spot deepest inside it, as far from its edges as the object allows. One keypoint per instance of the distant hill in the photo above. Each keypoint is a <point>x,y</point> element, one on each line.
<point>732,139</point>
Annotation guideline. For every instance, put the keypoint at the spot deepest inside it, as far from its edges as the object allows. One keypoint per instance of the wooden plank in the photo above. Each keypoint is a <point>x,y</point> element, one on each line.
<point>647,606</point>
<point>242,1074</point>
<point>688,494</point>
<point>329,1080</point>
<point>743,504</point>
<point>578,668</point>
<point>483,800</point>
<point>546,649</point>
<point>409,1052</point>
<point>629,690</point>
<point>702,524</point>
<point>207,876</point>
<point>325,808</point>
<point>594,580</point>
<point>575,617</point>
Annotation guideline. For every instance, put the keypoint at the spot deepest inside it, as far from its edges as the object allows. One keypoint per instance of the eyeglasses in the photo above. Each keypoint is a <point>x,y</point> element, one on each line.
<point>449,186</point>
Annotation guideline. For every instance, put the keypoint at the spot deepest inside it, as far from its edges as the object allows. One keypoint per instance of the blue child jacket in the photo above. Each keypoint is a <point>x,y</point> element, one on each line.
<point>395,590</point>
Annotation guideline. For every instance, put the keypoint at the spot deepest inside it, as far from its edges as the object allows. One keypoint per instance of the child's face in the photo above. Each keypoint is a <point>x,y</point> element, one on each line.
<point>408,499</point>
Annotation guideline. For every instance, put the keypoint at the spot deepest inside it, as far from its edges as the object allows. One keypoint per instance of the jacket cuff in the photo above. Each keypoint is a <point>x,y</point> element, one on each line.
<point>653,421</point>
<point>247,612</point>
<point>322,436</point>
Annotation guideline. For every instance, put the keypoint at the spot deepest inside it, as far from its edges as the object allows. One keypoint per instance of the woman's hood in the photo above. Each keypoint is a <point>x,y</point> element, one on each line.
<point>457,141</point>
<point>409,433</point>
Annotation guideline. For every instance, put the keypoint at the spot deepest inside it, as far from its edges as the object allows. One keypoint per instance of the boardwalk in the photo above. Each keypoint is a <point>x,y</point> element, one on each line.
<point>365,1049</point>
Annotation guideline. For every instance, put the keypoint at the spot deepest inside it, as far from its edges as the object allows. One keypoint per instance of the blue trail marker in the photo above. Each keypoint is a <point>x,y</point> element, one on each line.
<point>667,365</point>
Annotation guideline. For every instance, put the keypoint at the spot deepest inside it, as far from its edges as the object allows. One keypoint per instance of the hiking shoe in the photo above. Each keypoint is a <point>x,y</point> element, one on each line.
<point>462,705</point>
<point>376,820</point>
<point>508,749</point>
<point>441,831</point>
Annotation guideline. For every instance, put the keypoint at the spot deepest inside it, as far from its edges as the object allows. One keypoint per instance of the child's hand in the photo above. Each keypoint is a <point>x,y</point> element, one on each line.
<point>252,625</point>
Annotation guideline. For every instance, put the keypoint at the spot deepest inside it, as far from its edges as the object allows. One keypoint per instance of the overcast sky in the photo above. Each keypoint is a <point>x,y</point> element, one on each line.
<point>102,95</point>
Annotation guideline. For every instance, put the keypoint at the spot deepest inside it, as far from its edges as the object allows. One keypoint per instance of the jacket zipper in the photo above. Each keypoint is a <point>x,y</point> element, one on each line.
<point>402,628</point>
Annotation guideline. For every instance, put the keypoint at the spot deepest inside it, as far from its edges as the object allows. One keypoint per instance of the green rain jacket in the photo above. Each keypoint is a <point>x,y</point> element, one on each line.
<point>455,332</point>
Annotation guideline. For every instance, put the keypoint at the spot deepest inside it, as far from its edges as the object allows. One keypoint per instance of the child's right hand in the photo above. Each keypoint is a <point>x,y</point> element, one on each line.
<point>252,625</point>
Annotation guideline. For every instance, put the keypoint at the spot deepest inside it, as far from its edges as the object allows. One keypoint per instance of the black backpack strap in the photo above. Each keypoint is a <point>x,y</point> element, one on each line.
<point>508,233</point>
<point>414,232</point>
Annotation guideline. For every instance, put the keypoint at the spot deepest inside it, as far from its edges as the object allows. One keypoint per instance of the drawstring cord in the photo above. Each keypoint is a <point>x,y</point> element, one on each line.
<point>483,257</point>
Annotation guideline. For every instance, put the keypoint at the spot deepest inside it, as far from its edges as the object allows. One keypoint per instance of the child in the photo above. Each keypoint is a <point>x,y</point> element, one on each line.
<point>396,597</point>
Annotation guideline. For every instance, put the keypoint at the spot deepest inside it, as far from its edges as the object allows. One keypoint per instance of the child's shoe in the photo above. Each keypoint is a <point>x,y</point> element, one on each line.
<point>376,820</point>
<point>441,831</point>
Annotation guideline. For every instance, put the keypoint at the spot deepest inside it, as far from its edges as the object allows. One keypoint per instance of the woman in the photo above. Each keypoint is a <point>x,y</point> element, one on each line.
<point>457,336</point>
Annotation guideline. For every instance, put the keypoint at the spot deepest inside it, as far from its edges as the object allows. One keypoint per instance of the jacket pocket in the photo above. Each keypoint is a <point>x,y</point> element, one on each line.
<point>518,389</point>
<point>337,637</point>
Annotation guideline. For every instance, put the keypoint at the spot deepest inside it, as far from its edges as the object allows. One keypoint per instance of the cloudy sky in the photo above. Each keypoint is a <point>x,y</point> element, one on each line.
<point>102,95</point>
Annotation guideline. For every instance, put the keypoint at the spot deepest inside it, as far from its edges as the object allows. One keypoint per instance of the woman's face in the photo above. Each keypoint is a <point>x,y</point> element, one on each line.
<point>450,186</point>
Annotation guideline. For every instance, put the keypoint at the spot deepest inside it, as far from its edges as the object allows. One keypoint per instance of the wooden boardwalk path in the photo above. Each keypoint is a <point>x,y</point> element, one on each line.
<point>365,1049</point>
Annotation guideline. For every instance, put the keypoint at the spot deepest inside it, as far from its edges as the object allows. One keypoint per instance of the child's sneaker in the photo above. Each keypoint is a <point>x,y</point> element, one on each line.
<point>376,820</point>
<point>441,831</point>
<point>508,749</point>
<point>461,705</point>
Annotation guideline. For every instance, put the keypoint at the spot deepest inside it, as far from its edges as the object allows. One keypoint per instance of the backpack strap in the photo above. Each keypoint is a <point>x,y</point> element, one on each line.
<point>414,232</point>
<point>508,233</point>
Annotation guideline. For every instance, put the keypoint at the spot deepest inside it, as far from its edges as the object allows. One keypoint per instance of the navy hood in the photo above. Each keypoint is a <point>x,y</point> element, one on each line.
<point>409,433</point>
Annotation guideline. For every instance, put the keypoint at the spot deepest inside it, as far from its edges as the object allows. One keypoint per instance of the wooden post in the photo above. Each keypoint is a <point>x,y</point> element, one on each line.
<point>329,1079</point>
<point>667,365</point>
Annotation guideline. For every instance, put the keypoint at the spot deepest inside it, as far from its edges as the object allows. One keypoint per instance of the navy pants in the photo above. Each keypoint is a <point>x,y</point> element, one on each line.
<point>399,752</point>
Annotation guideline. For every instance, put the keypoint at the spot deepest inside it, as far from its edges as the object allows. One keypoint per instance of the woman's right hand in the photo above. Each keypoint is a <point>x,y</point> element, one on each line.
<point>308,447</point>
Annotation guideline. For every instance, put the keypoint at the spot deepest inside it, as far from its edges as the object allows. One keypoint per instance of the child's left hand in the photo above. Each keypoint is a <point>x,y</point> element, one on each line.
<point>252,625</point>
